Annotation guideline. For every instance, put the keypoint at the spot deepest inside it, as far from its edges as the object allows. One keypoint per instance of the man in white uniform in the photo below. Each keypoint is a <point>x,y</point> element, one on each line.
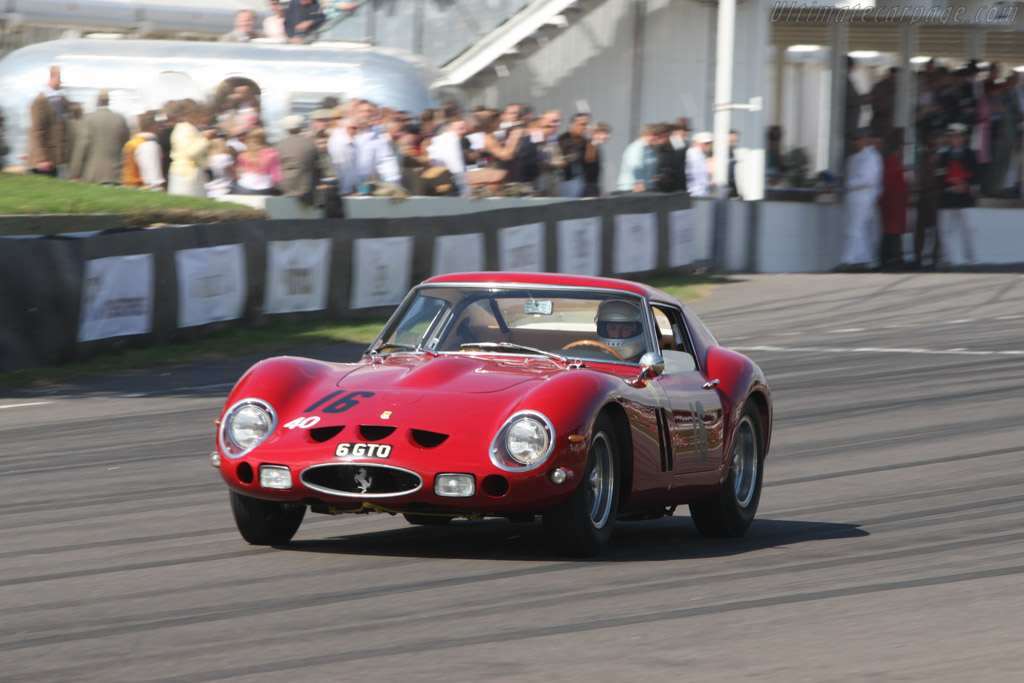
<point>863,186</point>
<point>698,180</point>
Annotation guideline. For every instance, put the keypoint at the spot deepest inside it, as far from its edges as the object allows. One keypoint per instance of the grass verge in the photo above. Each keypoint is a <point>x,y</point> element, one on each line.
<point>281,338</point>
<point>39,195</point>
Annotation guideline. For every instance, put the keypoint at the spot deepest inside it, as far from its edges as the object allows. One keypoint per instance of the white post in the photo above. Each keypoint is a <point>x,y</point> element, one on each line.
<point>723,94</point>
<point>723,102</point>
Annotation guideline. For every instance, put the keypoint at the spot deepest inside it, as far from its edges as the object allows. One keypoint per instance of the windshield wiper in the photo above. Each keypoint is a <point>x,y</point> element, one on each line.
<point>509,346</point>
<point>403,347</point>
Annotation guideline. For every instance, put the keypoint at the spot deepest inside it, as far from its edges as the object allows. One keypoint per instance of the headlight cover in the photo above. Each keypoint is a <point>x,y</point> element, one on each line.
<point>524,442</point>
<point>246,424</point>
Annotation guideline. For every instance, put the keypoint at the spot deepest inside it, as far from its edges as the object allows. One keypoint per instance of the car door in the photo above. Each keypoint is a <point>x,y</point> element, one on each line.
<point>693,418</point>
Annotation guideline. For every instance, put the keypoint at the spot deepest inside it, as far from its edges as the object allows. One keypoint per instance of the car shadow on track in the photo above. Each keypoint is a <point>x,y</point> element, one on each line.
<point>665,539</point>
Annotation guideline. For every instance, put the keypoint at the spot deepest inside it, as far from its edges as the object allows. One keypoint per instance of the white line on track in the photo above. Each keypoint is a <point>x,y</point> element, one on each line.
<point>25,405</point>
<point>199,387</point>
<point>871,349</point>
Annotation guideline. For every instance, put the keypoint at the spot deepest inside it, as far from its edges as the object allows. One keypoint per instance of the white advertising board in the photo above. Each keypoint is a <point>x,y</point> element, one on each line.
<point>579,246</point>
<point>636,243</point>
<point>458,253</point>
<point>211,284</point>
<point>298,272</point>
<point>117,297</point>
<point>381,269</point>
<point>680,237</point>
<point>521,248</point>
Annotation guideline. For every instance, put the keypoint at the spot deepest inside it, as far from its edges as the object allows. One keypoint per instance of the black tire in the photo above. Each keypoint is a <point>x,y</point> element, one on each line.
<point>582,524</point>
<point>426,520</point>
<point>729,512</point>
<point>264,522</point>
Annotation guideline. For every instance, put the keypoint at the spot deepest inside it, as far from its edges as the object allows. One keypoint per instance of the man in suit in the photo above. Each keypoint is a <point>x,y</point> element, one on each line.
<point>48,136</point>
<point>97,156</point>
<point>299,161</point>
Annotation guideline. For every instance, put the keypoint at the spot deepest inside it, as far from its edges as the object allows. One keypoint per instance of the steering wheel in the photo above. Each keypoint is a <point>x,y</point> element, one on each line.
<point>593,342</point>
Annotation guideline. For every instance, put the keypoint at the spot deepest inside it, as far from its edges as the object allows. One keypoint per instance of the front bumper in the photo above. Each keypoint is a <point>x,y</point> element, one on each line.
<point>404,484</point>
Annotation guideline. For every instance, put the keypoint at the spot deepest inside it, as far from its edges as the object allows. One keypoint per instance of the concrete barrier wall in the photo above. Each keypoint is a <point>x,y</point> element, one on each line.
<point>41,278</point>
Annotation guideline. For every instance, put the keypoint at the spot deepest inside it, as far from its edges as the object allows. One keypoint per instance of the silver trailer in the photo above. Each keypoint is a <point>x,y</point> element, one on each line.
<point>144,74</point>
<point>165,17</point>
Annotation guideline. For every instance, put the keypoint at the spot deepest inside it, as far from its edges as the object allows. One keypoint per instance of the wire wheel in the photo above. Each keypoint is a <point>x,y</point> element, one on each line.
<point>729,511</point>
<point>744,463</point>
<point>582,524</point>
<point>601,481</point>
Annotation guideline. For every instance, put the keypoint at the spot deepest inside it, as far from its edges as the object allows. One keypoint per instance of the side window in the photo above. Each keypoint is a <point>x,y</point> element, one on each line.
<point>673,340</point>
<point>666,337</point>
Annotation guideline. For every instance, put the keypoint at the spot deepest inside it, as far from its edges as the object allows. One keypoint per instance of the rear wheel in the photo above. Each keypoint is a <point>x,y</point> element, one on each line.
<point>730,511</point>
<point>264,522</point>
<point>426,520</point>
<point>582,524</point>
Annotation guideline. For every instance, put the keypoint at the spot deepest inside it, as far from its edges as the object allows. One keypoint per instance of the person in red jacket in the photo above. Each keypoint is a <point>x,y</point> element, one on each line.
<point>894,200</point>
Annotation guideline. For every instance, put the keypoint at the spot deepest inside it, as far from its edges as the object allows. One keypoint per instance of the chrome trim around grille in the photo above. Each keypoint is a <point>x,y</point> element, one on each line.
<point>359,494</point>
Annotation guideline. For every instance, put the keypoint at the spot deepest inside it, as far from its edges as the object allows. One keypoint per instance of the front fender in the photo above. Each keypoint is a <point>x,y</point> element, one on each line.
<point>282,381</point>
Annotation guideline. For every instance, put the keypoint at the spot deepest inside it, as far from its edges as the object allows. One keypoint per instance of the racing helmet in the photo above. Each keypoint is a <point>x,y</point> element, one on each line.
<point>619,311</point>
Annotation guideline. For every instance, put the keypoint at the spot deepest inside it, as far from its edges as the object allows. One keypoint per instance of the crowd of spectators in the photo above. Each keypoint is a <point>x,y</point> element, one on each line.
<point>967,136</point>
<point>342,148</point>
<point>291,23</point>
<point>356,147</point>
<point>990,105</point>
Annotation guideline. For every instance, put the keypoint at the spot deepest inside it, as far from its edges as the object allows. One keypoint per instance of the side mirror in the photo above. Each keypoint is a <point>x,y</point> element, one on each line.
<point>651,365</point>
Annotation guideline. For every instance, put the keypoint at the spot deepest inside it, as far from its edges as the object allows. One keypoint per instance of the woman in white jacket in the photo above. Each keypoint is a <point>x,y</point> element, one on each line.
<point>189,146</point>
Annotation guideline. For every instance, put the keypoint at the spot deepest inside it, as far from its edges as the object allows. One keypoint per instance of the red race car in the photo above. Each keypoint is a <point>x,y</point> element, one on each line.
<point>581,399</point>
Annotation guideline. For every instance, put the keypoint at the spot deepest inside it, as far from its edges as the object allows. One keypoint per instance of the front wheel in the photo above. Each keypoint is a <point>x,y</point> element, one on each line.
<point>582,524</point>
<point>264,522</point>
<point>729,512</point>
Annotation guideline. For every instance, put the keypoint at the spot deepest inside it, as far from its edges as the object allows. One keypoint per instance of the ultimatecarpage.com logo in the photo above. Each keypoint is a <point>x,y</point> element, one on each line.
<point>1000,13</point>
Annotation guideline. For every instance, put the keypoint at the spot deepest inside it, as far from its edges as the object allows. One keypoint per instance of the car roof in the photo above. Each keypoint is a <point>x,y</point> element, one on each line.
<point>559,279</point>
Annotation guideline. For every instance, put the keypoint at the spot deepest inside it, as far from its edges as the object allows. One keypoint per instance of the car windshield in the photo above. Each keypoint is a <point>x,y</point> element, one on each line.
<point>574,324</point>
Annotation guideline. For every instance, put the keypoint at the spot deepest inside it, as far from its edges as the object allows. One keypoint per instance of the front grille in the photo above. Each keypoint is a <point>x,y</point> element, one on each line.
<point>362,481</point>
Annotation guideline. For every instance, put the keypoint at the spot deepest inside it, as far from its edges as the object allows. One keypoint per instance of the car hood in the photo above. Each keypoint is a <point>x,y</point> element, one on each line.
<point>446,374</point>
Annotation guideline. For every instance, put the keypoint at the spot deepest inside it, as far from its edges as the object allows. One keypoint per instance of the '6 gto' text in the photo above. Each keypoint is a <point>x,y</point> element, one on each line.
<point>363,450</point>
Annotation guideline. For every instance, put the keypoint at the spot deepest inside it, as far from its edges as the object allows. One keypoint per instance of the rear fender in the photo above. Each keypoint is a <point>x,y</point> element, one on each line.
<point>739,380</point>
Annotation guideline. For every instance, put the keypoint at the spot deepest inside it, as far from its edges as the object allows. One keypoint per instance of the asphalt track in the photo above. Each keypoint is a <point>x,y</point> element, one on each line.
<point>889,545</point>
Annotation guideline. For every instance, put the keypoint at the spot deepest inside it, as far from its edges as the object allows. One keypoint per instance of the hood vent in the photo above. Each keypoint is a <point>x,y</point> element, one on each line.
<point>425,439</point>
<point>321,434</point>
<point>375,432</point>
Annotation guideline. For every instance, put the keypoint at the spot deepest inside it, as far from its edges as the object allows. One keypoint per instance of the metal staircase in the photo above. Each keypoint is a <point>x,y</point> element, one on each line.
<point>466,41</point>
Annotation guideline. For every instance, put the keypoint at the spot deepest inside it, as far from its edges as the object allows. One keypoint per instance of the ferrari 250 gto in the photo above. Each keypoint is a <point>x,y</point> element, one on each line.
<point>584,400</point>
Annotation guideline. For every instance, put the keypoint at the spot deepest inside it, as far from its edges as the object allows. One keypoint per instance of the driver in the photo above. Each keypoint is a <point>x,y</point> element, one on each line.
<point>619,326</point>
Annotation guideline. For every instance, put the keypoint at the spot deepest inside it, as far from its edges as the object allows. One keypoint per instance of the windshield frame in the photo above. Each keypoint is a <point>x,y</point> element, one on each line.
<point>432,332</point>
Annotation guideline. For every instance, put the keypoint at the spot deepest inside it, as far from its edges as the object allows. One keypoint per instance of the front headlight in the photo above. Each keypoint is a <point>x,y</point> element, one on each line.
<point>526,440</point>
<point>523,442</point>
<point>246,425</point>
